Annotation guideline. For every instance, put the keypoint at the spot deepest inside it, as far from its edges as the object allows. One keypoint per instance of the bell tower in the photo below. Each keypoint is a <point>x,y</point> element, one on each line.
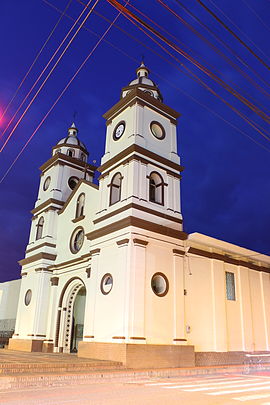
<point>140,169</point>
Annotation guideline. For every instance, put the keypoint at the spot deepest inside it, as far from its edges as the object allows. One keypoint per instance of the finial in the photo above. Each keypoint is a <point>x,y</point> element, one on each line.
<point>142,70</point>
<point>72,131</point>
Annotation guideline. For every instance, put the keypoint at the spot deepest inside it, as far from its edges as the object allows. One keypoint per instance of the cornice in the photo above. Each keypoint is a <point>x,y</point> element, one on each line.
<point>137,95</point>
<point>59,158</point>
<point>45,203</point>
<point>227,259</point>
<point>139,223</point>
<point>139,149</point>
<point>38,256</point>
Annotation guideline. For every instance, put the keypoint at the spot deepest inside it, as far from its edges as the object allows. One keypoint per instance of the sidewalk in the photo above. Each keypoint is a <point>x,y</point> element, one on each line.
<point>24,370</point>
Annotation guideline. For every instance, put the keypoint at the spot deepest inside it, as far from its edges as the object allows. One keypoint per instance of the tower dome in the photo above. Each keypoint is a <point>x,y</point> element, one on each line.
<point>143,82</point>
<point>71,145</point>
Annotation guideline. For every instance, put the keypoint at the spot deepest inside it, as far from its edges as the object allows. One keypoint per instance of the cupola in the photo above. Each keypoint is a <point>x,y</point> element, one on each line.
<point>143,83</point>
<point>71,145</point>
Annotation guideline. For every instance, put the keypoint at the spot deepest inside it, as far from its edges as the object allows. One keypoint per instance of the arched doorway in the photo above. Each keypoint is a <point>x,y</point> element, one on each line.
<point>70,322</point>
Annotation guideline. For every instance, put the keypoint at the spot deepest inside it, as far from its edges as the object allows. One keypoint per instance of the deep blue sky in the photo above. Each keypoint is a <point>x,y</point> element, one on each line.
<point>225,188</point>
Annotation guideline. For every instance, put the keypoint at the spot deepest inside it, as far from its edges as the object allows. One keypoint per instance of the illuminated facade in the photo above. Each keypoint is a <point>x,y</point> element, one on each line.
<point>109,271</point>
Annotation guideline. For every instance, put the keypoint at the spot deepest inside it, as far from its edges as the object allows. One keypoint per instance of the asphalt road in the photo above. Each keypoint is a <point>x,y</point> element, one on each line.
<point>206,390</point>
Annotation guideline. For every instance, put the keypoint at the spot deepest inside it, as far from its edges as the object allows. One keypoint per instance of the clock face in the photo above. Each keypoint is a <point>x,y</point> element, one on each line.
<point>119,130</point>
<point>157,130</point>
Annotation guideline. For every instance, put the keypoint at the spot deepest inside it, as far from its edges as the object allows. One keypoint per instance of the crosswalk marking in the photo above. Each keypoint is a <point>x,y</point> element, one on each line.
<point>237,391</point>
<point>232,385</point>
<point>252,398</point>
<point>204,386</point>
<point>201,382</point>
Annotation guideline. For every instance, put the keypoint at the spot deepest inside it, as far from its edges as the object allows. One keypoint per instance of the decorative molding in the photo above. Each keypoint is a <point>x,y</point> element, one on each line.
<point>180,340</point>
<point>138,96</point>
<point>24,274</point>
<point>81,181</point>
<point>80,259</point>
<point>88,272</point>
<point>178,252</point>
<point>89,337</point>
<point>58,157</point>
<point>69,145</point>
<point>54,281</point>
<point>78,219</point>
<point>140,242</point>
<point>227,259</point>
<point>139,149</point>
<point>137,338</point>
<point>122,242</point>
<point>141,208</point>
<point>36,257</point>
<point>47,202</point>
<point>94,252</point>
<point>118,337</point>
<point>43,269</point>
<point>139,223</point>
<point>144,161</point>
<point>52,245</point>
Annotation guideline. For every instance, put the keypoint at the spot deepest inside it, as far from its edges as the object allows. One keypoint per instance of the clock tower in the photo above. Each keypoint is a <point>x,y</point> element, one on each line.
<point>140,170</point>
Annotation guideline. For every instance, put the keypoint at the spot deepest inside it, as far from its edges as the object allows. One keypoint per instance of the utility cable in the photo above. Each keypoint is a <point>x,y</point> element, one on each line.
<point>35,60</point>
<point>233,34</point>
<point>44,69</point>
<point>49,74</point>
<point>221,82</point>
<point>62,92</point>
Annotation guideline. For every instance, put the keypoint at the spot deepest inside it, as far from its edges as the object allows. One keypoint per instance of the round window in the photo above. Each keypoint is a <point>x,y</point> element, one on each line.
<point>72,182</point>
<point>160,284</point>
<point>46,184</point>
<point>106,283</point>
<point>157,130</point>
<point>28,296</point>
<point>76,240</point>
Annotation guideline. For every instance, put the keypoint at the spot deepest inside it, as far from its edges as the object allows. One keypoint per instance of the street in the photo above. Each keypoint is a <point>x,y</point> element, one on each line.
<point>220,389</point>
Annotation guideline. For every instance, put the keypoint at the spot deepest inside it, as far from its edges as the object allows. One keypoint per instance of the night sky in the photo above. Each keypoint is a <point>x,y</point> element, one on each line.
<point>225,187</point>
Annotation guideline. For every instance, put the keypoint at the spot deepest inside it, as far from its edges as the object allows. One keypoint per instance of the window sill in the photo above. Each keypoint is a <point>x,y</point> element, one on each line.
<point>78,219</point>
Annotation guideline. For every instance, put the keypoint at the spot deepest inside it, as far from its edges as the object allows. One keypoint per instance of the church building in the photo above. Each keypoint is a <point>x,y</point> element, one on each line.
<point>109,272</point>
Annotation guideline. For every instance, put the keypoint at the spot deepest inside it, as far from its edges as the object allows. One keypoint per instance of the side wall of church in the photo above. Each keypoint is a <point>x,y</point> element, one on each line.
<point>9,295</point>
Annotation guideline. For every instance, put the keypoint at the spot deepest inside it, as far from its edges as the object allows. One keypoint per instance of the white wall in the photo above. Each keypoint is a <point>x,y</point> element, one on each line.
<point>9,295</point>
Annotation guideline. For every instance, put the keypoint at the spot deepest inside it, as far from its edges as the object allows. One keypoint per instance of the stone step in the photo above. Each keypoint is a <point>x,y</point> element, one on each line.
<point>40,368</point>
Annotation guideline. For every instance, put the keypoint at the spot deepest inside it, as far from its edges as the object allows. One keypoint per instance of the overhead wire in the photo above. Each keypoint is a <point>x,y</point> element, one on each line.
<point>62,92</point>
<point>218,51</point>
<point>158,75</point>
<point>256,14</point>
<point>249,121</point>
<point>215,16</point>
<point>239,29</point>
<point>49,74</point>
<point>217,79</point>
<point>35,59</point>
<point>229,48</point>
<point>44,69</point>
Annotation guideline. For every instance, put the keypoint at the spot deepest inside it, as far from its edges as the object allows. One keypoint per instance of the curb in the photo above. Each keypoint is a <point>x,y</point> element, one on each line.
<point>103,376</point>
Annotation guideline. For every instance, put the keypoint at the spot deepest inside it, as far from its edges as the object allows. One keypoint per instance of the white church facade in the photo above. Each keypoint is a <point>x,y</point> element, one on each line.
<point>109,272</point>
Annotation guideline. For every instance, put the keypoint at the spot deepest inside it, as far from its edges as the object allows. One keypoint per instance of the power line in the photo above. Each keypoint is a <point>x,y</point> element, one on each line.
<point>233,34</point>
<point>49,74</point>
<point>35,60</point>
<point>158,75</point>
<point>62,92</point>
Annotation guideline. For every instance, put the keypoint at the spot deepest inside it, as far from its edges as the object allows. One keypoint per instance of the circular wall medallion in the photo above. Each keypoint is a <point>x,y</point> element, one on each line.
<point>46,184</point>
<point>106,283</point>
<point>76,240</point>
<point>72,182</point>
<point>119,130</point>
<point>27,297</point>
<point>160,284</point>
<point>157,130</point>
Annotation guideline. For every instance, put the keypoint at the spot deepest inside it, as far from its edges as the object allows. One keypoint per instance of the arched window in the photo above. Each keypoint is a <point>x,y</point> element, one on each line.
<point>156,188</point>
<point>115,194</point>
<point>71,152</point>
<point>83,157</point>
<point>40,228</point>
<point>80,205</point>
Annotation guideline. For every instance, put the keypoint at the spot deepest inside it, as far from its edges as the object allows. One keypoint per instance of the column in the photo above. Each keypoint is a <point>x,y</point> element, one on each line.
<point>178,298</point>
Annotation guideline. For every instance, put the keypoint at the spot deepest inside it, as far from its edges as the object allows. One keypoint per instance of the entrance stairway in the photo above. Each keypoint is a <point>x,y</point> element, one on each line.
<point>18,363</point>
